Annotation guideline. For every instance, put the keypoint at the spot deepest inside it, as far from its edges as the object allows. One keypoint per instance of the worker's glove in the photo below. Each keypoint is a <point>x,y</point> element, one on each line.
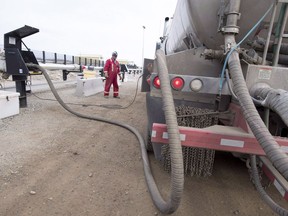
<point>106,74</point>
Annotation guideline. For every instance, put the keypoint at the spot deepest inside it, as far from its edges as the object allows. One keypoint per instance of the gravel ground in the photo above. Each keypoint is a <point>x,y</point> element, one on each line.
<point>53,163</point>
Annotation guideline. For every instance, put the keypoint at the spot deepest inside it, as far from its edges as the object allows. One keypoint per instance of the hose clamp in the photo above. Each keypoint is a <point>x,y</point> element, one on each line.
<point>230,29</point>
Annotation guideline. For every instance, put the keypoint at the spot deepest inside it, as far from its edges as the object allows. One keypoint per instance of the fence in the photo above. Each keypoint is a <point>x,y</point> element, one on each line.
<point>57,58</point>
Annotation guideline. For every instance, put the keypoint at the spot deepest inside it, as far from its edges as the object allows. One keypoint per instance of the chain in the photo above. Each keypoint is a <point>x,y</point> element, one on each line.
<point>197,162</point>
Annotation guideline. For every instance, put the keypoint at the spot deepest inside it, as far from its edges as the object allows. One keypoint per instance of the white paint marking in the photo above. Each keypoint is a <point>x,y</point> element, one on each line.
<point>165,135</point>
<point>153,133</point>
<point>182,136</point>
<point>233,143</point>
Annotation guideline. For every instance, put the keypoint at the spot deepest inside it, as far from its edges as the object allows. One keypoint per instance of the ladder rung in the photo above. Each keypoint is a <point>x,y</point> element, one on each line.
<point>285,36</point>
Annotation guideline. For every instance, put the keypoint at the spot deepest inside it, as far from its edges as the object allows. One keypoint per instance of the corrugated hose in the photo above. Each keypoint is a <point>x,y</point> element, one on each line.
<point>177,180</point>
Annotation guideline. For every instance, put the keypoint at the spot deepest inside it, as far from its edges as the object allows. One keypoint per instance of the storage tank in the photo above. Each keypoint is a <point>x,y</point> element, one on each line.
<point>199,21</point>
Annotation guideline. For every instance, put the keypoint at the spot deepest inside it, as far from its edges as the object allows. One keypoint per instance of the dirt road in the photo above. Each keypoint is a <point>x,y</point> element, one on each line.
<point>53,163</point>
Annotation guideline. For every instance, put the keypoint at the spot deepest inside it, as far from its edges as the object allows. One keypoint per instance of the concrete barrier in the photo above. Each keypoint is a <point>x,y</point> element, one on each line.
<point>88,87</point>
<point>9,104</point>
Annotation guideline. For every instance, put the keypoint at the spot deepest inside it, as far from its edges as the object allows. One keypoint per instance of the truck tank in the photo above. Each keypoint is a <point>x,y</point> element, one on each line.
<point>199,22</point>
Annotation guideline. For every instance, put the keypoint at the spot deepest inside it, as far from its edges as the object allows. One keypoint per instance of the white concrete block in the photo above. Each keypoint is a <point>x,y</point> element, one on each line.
<point>9,104</point>
<point>90,86</point>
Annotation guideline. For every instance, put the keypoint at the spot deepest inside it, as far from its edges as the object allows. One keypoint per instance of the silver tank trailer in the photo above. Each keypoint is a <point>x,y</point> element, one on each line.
<point>199,20</point>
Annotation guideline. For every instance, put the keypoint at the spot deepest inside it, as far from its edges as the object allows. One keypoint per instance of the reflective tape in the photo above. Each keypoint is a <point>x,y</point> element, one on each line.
<point>182,136</point>
<point>233,143</point>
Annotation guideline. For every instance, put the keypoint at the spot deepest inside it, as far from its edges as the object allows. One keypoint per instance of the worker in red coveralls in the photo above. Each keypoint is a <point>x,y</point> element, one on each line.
<point>111,71</point>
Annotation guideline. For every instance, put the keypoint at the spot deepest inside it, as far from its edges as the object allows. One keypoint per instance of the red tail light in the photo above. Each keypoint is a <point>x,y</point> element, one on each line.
<point>156,82</point>
<point>177,83</point>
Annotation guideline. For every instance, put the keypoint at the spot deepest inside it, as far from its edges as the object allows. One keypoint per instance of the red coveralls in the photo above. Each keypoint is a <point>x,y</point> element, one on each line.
<point>113,69</point>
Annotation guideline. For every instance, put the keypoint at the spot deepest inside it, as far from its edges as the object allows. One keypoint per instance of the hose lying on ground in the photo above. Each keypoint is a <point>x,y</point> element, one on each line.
<point>174,200</point>
<point>107,106</point>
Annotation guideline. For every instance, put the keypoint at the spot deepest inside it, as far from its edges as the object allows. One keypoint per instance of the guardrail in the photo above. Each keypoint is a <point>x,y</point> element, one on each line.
<point>47,58</point>
<point>57,58</point>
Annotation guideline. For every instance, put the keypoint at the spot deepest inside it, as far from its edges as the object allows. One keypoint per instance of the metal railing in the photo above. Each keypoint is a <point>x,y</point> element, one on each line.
<point>57,58</point>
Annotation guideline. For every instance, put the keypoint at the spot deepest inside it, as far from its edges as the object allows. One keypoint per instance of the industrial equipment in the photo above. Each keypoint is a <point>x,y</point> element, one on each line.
<point>193,104</point>
<point>14,59</point>
<point>192,101</point>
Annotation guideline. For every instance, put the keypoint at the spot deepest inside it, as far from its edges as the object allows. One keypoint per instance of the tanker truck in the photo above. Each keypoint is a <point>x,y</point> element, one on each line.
<point>219,83</point>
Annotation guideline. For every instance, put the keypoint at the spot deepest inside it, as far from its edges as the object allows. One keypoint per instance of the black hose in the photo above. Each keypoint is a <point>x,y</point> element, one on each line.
<point>273,205</point>
<point>282,58</point>
<point>259,44</point>
<point>260,131</point>
<point>165,207</point>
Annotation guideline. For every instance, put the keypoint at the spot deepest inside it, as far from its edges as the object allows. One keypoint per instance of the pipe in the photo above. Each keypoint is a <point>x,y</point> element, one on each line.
<point>232,17</point>
<point>230,45</point>
<point>259,45</point>
<point>282,59</point>
<point>273,205</point>
<point>269,33</point>
<point>165,207</point>
<point>282,22</point>
<point>48,66</point>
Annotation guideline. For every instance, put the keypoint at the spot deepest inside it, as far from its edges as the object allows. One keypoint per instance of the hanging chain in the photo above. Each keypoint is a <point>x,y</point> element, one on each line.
<point>197,162</point>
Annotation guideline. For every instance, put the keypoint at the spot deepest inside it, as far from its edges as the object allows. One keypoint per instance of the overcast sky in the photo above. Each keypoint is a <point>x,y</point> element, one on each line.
<point>83,27</point>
